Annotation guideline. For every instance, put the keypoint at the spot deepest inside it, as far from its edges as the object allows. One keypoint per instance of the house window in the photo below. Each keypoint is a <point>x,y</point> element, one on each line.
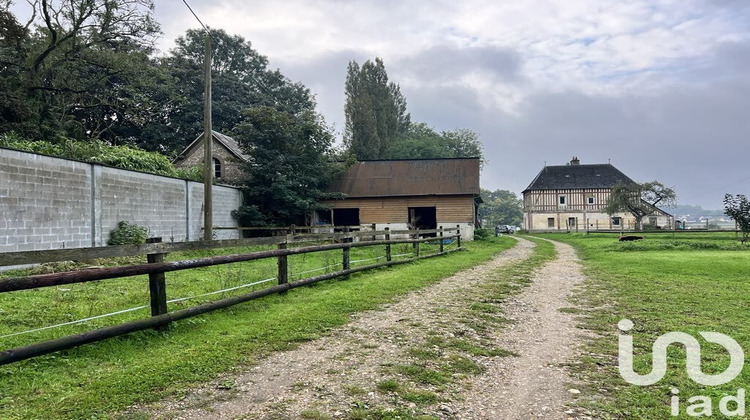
<point>592,200</point>
<point>551,222</point>
<point>562,200</point>
<point>616,221</point>
<point>217,168</point>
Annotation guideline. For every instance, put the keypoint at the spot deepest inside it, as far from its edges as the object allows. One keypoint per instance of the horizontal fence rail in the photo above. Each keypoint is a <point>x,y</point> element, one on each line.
<point>156,269</point>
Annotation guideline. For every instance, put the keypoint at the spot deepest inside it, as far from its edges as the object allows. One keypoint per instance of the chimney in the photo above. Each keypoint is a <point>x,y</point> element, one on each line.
<point>575,161</point>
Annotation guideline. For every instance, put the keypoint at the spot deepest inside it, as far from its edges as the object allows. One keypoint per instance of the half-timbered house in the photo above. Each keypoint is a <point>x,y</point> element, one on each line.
<point>572,197</point>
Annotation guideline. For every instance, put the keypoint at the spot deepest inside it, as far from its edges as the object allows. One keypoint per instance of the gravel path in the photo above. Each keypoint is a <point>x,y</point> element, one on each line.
<point>535,384</point>
<point>434,352</point>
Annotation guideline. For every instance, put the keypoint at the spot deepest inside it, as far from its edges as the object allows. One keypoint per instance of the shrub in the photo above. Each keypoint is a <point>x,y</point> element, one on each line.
<point>97,151</point>
<point>127,234</point>
<point>483,234</point>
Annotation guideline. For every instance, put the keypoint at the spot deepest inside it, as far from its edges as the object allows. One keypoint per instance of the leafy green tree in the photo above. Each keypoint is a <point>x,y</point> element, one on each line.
<point>82,65</point>
<point>500,207</point>
<point>422,142</point>
<point>241,79</point>
<point>738,208</point>
<point>640,200</point>
<point>375,110</point>
<point>14,109</point>
<point>290,167</point>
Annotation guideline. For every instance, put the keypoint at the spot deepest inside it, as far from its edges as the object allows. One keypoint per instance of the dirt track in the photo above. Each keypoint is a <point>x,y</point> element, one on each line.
<point>372,365</point>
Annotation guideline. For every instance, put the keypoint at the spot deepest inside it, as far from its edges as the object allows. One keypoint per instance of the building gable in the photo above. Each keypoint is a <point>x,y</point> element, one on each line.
<point>228,143</point>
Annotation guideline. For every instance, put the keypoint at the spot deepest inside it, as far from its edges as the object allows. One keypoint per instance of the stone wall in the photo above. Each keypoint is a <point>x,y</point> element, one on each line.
<point>51,203</point>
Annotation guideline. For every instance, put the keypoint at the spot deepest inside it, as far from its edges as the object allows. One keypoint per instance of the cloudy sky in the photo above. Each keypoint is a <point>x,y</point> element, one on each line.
<point>659,87</point>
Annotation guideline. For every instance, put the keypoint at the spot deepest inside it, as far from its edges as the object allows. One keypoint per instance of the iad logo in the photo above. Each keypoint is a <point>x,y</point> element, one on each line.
<point>702,406</point>
<point>693,350</point>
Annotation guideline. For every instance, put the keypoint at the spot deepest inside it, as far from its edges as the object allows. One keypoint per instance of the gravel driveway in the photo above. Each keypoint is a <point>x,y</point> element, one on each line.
<point>443,351</point>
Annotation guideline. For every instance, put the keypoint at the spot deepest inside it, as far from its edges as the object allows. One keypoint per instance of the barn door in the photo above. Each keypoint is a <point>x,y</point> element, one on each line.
<point>423,217</point>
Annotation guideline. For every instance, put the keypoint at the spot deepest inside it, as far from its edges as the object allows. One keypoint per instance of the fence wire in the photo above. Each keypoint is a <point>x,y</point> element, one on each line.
<point>137,308</point>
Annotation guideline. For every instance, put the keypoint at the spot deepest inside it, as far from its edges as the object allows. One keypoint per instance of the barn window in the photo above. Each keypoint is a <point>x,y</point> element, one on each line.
<point>562,200</point>
<point>217,168</point>
<point>551,222</point>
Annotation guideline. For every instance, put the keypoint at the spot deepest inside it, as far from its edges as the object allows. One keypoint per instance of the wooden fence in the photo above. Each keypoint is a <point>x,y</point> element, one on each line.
<point>156,268</point>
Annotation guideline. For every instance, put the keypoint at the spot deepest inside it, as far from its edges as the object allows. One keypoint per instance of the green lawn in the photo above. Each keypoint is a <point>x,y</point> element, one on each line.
<point>95,380</point>
<point>687,282</point>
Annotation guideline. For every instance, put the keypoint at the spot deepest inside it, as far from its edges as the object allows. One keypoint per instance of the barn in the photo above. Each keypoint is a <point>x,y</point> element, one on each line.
<point>402,194</point>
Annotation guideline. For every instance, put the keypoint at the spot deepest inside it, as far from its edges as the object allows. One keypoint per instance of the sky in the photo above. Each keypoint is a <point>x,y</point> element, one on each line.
<point>659,88</point>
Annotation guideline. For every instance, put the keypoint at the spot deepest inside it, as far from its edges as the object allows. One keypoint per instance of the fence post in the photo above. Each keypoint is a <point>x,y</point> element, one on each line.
<point>346,261</point>
<point>458,236</point>
<point>387,246</point>
<point>293,230</point>
<point>283,273</point>
<point>416,248</point>
<point>157,286</point>
<point>441,239</point>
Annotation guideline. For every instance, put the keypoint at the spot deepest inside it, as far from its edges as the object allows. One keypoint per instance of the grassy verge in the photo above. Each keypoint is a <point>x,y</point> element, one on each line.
<point>95,380</point>
<point>688,283</point>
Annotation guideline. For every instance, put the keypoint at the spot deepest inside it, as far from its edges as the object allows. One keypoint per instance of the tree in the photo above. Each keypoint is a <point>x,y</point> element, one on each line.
<point>640,200</point>
<point>738,208</point>
<point>375,110</point>
<point>500,207</point>
<point>82,61</point>
<point>241,79</point>
<point>290,166</point>
<point>422,142</point>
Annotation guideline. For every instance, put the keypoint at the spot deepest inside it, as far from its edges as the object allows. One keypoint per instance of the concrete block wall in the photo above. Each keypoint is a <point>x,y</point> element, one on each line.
<point>52,203</point>
<point>43,200</point>
<point>155,202</point>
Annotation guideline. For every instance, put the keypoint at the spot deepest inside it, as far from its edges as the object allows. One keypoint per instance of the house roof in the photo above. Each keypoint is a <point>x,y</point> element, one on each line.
<point>394,178</point>
<point>228,142</point>
<point>575,176</point>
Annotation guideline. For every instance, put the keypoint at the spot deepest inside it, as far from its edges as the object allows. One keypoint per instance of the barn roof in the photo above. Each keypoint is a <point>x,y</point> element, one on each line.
<point>394,178</point>
<point>228,142</point>
<point>576,176</point>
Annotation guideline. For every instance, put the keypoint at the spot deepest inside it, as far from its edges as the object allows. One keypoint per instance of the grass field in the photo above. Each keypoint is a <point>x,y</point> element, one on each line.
<point>688,283</point>
<point>95,380</point>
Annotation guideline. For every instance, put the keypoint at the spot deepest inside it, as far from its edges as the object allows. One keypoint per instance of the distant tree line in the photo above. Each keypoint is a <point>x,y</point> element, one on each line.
<point>500,207</point>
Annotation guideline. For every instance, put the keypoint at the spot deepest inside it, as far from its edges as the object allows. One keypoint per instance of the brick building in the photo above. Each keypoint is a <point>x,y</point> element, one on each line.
<point>228,158</point>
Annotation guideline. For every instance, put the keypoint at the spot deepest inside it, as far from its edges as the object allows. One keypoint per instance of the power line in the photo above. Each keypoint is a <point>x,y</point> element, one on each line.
<point>196,16</point>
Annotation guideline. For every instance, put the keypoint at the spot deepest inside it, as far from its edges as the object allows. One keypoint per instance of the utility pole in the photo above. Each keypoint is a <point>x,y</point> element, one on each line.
<point>208,169</point>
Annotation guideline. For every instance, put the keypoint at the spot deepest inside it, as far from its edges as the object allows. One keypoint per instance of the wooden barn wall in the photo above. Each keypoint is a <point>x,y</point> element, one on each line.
<point>456,209</point>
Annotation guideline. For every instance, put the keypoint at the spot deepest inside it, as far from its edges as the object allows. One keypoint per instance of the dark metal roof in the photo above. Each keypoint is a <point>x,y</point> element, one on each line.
<point>228,142</point>
<point>573,176</point>
<point>388,178</point>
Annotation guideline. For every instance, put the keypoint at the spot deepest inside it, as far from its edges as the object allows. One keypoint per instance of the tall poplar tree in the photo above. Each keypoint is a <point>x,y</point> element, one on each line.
<point>375,110</point>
